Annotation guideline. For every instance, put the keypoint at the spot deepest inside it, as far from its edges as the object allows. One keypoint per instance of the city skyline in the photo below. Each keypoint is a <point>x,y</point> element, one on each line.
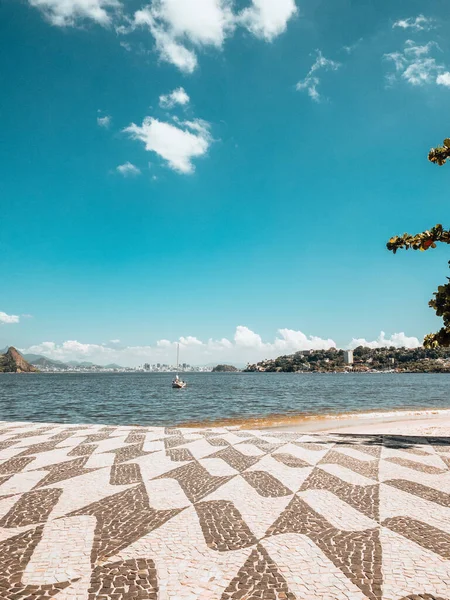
<point>180,169</point>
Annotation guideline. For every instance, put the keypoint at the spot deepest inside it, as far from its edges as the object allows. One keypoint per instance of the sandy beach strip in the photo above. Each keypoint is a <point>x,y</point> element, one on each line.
<point>427,421</point>
<point>406,422</point>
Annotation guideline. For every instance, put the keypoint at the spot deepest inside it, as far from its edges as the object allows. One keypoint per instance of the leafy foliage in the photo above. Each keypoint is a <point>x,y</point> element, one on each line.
<point>440,154</point>
<point>423,241</point>
<point>420,241</point>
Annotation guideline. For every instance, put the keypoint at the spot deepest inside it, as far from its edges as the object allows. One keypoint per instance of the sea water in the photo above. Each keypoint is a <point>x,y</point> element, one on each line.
<point>148,398</point>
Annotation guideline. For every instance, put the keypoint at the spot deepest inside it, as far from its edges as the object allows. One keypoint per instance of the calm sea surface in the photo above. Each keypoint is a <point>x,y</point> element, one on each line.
<point>148,399</point>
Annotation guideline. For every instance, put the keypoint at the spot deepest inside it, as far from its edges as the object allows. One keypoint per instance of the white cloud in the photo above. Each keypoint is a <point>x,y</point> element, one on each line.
<point>104,121</point>
<point>420,23</point>
<point>182,27</point>
<point>203,22</point>
<point>8,319</point>
<point>398,340</point>
<point>415,64</point>
<point>114,341</point>
<point>444,79</point>
<point>312,81</point>
<point>267,19</point>
<point>245,346</point>
<point>178,144</point>
<point>63,13</point>
<point>352,47</point>
<point>128,169</point>
<point>175,23</point>
<point>178,96</point>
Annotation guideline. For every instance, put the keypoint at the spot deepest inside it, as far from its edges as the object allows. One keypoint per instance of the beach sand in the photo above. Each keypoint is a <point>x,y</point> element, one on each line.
<point>423,422</point>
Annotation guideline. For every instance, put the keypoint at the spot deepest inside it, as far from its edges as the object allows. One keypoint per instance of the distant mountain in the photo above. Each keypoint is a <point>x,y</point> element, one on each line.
<point>43,361</point>
<point>75,363</point>
<point>13,362</point>
<point>112,366</point>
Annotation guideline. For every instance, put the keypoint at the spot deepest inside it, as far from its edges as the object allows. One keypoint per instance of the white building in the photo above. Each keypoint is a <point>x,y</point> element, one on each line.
<point>348,357</point>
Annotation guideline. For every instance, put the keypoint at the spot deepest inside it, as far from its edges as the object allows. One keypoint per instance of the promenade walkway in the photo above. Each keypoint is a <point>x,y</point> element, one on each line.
<point>124,513</point>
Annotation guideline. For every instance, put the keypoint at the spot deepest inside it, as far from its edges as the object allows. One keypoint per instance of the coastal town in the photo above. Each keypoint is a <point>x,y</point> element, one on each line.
<point>359,360</point>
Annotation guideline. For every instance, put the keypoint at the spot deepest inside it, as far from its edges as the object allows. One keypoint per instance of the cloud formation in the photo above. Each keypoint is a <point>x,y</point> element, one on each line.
<point>415,64</point>
<point>177,144</point>
<point>312,80</point>
<point>104,121</point>
<point>128,169</point>
<point>398,340</point>
<point>182,28</point>
<point>8,319</point>
<point>267,19</point>
<point>178,96</point>
<point>444,79</point>
<point>245,346</point>
<point>419,23</point>
<point>65,13</point>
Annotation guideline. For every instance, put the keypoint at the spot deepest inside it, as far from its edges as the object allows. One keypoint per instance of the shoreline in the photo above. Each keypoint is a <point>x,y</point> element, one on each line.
<point>407,422</point>
<point>324,422</point>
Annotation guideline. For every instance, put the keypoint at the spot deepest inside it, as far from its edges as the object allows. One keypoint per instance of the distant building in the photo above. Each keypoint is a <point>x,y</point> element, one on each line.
<point>348,357</point>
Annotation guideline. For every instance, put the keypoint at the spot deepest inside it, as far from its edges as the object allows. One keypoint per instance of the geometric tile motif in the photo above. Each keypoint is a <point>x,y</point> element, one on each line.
<point>258,578</point>
<point>356,553</point>
<point>422,597</point>
<point>195,480</point>
<point>421,467</point>
<point>83,450</point>
<point>235,536</point>
<point>15,465</point>
<point>266,484</point>
<point>122,519</point>
<point>422,534</point>
<point>365,498</point>
<point>366,468</point>
<point>15,553</point>
<point>31,508</point>
<point>421,491</point>
<point>235,459</point>
<point>64,470</point>
<point>125,474</point>
<point>125,580</point>
<point>223,527</point>
<point>128,452</point>
<point>179,454</point>
<point>290,461</point>
<point>135,437</point>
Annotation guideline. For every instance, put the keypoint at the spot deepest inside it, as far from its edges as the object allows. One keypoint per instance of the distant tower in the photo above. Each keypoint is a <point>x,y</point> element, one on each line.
<point>348,357</point>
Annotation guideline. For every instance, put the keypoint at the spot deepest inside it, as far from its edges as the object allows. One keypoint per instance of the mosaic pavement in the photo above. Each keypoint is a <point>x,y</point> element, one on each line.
<point>125,513</point>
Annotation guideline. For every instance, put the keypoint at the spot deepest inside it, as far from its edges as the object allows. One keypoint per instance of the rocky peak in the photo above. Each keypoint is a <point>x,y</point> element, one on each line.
<point>13,362</point>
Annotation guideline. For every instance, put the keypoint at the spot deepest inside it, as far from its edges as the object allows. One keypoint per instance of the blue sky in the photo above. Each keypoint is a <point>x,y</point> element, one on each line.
<point>186,167</point>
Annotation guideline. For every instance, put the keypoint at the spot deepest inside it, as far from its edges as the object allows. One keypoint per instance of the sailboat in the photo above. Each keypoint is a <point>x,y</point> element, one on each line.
<point>177,383</point>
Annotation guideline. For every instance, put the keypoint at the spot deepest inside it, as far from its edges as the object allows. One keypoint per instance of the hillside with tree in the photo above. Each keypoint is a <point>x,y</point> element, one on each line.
<point>402,360</point>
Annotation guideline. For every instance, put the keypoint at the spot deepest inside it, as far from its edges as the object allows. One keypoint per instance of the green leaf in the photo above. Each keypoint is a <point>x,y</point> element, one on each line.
<point>447,142</point>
